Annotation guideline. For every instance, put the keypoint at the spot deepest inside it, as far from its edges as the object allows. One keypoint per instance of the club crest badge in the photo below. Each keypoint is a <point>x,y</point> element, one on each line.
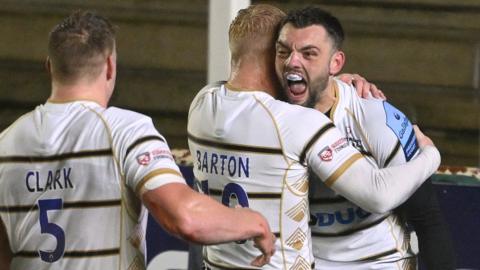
<point>144,158</point>
<point>326,154</point>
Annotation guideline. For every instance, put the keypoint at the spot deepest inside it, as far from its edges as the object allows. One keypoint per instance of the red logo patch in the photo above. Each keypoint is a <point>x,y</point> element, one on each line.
<point>144,159</point>
<point>326,154</point>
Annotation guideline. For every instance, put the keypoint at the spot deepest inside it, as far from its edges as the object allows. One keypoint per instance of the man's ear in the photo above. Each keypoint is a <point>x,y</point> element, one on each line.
<point>110,67</point>
<point>336,62</point>
<point>47,65</point>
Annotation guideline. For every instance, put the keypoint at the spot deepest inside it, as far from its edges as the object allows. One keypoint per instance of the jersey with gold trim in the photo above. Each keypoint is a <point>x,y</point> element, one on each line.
<point>342,231</point>
<point>251,150</point>
<point>70,176</point>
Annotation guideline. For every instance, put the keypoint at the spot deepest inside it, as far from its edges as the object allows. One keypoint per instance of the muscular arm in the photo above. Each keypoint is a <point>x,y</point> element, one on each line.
<point>381,190</point>
<point>5,252</point>
<point>422,211</point>
<point>200,219</point>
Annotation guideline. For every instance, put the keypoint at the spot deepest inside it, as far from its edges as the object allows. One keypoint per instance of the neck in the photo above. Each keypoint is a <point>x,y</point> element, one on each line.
<point>253,74</point>
<point>327,97</point>
<point>62,93</point>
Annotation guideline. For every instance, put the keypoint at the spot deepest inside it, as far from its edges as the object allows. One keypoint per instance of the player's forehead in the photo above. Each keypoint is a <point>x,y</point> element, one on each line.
<point>293,37</point>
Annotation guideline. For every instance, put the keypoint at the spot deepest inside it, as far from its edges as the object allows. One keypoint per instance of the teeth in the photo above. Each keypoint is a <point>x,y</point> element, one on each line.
<point>294,77</point>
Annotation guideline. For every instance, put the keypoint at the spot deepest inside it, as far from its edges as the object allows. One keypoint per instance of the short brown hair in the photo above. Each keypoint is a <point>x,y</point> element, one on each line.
<point>79,45</point>
<point>254,27</point>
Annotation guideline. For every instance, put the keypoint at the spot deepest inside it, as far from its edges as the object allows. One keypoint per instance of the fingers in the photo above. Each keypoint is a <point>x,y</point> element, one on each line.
<point>376,93</point>
<point>422,139</point>
<point>267,247</point>
<point>263,259</point>
<point>364,88</point>
<point>346,78</point>
<point>260,260</point>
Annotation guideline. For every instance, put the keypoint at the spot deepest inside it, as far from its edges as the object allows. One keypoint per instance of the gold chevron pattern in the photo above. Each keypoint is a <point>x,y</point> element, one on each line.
<point>297,239</point>
<point>301,185</point>
<point>300,264</point>
<point>299,211</point>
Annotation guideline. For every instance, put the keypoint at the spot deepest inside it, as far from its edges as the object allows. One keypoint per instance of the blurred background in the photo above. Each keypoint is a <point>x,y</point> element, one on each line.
<point>424,54</point>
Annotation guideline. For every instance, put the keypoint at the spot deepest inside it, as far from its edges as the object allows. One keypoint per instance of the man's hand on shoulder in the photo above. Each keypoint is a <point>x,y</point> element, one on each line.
<point>364,88</point>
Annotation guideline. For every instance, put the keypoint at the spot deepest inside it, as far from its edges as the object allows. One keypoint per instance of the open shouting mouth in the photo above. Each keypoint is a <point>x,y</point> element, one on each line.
<point>297,87</point>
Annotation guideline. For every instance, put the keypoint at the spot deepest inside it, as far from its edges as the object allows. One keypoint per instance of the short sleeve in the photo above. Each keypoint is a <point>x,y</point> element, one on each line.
<point>144,155</point>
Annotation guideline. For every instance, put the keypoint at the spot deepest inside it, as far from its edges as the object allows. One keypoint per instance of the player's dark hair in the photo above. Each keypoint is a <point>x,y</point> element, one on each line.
<point>312,15</point>
<point>79,45</point>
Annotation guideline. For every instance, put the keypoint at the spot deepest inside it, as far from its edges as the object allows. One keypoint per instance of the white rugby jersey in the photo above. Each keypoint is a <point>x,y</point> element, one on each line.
<point>251,150</point>
<point>342,231</point>
<point>70,176</point>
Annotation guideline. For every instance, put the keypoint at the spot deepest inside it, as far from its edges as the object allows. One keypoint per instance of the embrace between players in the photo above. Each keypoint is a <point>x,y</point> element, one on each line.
<point>313,194</point>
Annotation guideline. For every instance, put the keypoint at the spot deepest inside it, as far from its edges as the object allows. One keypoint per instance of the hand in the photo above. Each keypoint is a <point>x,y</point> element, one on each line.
<point>422,139</point>
<point>364,88</point>
<point>266,244</point>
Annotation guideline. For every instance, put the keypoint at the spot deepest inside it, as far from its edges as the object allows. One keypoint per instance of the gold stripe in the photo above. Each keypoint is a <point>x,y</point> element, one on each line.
<point>337,101</point>
<point>277,129</point>
<point>122,183</point>
<point>153,174</point>
<point>331,180</point>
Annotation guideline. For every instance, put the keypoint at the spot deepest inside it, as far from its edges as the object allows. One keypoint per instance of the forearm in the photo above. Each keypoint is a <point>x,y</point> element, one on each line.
<point>423,212</point>
<point>212,222</point>
<point>381,190</point>
<point>200,219</point>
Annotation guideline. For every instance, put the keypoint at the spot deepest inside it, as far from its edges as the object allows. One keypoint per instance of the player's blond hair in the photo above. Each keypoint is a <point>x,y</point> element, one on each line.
<point>254,29</point>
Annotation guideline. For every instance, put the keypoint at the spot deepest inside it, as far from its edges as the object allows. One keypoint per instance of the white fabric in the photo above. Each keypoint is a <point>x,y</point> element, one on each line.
<point>342,231</point>
<point>265,136</point>
<point>247,147</point>
<point>79,158</point>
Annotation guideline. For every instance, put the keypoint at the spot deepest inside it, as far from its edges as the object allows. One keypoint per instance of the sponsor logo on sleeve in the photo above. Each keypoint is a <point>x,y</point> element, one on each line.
<point>339,145</point>
<point>326,154</point>
<point>160,153</point>
<point>402,128</point>
<point>156,154</point>
<point>144,158</point>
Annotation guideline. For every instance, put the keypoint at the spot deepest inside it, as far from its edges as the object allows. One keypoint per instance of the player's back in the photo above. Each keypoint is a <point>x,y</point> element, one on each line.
<point>246,150</point>
<point>62,199</point>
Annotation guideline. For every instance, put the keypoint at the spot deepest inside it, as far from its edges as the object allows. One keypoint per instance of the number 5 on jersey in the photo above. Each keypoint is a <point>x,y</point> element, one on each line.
<point>56,231</point>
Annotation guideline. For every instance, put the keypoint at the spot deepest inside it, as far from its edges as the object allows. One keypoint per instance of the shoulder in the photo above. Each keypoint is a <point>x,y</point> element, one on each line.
<point>128,125</point>
<point>122,117</point>
<point>298,125</point>
<point>20,127</point>
<point>295,115</point>
<point>207,90</point>
<point>368,112</point>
